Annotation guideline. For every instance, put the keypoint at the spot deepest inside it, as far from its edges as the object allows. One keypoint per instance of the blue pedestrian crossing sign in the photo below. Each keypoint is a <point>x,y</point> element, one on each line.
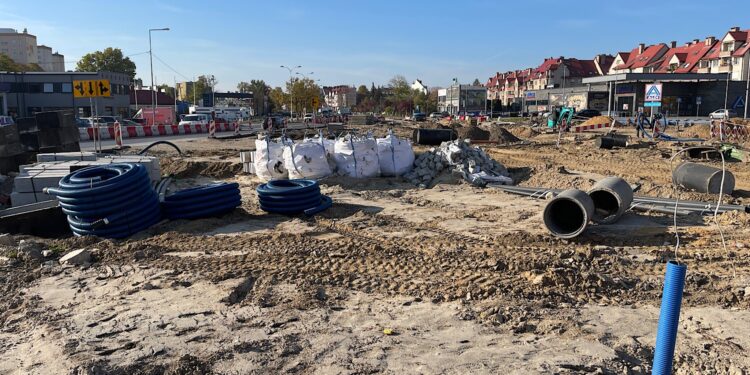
<point>739,103</point>
<point>653,92</point>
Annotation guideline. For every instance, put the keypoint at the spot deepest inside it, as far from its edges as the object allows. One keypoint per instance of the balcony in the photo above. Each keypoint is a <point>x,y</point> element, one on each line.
<point>725,53</point>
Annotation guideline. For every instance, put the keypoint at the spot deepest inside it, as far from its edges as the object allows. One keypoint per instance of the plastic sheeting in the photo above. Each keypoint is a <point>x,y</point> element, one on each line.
<point>307,159</point>
<point>395,155</point>
<point>269,159</point>
<point>356,156</point>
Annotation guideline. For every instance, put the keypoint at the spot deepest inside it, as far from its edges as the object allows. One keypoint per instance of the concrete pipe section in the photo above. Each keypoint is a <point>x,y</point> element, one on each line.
<point>568,214</point>
<point>612,196</point>
<point>702,178</point>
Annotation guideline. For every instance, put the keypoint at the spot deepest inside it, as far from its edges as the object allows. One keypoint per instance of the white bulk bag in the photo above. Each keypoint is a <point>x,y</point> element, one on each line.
<point>395,155</point>
<point>356,156</point>
<point>269,160</point>
<point>306,159</point>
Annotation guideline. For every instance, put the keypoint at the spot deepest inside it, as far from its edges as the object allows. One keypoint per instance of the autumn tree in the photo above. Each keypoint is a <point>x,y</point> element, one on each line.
<point>108,60</point>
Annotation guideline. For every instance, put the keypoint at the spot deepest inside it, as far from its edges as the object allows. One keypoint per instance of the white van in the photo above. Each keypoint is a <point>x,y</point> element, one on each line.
<point>196,119</point>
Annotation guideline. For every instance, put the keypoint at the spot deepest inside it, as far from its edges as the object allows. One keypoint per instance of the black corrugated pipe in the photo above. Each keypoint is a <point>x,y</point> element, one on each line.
<point>433,137</point>
<point>702,178</point>
<point>610,141</point>
<point>568,214</point>
<point>612,196</point>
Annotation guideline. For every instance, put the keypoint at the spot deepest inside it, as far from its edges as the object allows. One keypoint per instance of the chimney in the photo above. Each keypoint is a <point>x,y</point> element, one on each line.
<point>673,44</point>
<point>710,40</point>
<point>641,48</point>
<point>733,29</point>
<point>695,41</point>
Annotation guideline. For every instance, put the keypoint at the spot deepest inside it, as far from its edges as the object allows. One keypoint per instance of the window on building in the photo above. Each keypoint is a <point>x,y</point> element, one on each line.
<point>727,46</point>
<point>35,88</point>
<point>48,88</point>
<point>67,87</point>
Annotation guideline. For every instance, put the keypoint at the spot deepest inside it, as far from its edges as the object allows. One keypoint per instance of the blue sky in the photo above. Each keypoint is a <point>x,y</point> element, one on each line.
<point>359,42</point>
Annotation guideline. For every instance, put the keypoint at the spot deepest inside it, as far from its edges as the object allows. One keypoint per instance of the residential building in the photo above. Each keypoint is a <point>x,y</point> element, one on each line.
<point>685,58</point>
<point>184,89</point>
<point>457,99</point>
<point>23,94</point>
<point>641,59</point>
<point>419,86</point>
<point>22,48</point>
<point>731,55</point>
<point>338,97</point>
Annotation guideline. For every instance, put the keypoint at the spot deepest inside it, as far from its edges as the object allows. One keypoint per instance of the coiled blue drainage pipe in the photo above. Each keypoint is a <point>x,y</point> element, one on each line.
<point>292,197</point>
<point>113,201</point>
<point>666,335</point>
<point>202,201</point>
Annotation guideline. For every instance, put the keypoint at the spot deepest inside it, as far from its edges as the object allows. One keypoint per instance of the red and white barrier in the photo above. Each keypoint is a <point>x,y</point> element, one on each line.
<point>236,128</point>
<point>212,129</point>
<point>581,128</point>
<point>108,132</point>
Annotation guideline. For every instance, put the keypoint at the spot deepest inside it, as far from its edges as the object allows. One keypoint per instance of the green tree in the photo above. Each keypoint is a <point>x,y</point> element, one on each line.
<point>166,89</point>
<point>303,91</point>
<point>260,91</point>
<point>109,60</point>
<point>8,65</point>
<point>279,98</point>
<point>204,84</point>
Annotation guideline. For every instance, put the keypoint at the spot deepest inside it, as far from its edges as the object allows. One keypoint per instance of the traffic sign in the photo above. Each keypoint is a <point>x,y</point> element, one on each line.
<point>698,100</point>
<point>91,88</point>
<point>653,104</point>
<point>315,102</point>
<point>739,103</point>
<point>653,92</point>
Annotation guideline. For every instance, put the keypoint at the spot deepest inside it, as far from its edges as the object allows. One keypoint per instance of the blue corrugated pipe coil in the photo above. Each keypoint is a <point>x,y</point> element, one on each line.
<point>202,201</point>
<point>113,201</point>
<point>291,197</point>
<point>669,317</point>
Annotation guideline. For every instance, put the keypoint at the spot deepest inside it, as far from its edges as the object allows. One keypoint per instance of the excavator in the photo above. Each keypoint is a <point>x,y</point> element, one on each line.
<point>561,118</point>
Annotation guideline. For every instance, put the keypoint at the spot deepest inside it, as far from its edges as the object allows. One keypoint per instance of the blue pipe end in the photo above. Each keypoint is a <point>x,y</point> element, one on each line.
<point>669,318</point>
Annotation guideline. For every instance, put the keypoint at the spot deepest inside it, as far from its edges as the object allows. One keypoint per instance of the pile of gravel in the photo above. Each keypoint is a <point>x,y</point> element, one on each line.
<point>458,156</point>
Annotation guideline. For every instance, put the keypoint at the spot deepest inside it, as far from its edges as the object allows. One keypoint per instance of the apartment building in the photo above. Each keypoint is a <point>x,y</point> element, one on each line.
<point>731,55</point>
<point>22,48</point>
<point>640,59</point>
<point>342,96</point>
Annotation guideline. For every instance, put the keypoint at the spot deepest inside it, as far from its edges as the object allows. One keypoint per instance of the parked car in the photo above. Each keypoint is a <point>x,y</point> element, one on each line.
<point>588,113</point>
<point>436,115</point>
<point>721,114</point>
<point>6,120</point>
<point>308,117</point>
<point>196,119</point>
<point>83,122</point>
<point>418,116</point>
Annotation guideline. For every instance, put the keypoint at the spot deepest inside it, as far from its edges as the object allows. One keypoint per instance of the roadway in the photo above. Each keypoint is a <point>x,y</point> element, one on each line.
<point>145,141</point>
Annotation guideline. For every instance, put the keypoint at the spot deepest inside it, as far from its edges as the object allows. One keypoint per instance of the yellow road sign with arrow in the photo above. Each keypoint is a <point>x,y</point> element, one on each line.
<point>91,88</point>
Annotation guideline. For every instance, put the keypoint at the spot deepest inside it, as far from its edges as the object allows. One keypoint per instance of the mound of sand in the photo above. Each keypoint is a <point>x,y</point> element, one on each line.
<point>600,120</point>
<point>523,131</point>
<point>699,131</point>
<point>501,135</point>
<point>474,133</point>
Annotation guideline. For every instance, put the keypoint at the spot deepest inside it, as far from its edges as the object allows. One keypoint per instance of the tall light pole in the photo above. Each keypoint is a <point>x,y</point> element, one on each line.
<point>151,61</point>
<point>450,101</point>
<point>747,86</point>
<point>291,87</point>
<point>726,91</point>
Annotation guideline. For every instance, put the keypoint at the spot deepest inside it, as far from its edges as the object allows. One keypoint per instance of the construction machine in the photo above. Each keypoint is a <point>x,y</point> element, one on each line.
<point>561,118</point>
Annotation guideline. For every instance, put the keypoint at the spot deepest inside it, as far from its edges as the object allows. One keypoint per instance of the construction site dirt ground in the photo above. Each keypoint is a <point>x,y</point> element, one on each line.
<point>393,279</point>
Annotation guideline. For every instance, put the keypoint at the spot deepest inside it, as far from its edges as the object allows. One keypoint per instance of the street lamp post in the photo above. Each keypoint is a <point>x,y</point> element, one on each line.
<point>151,61</point>
<point>450,108</point>
<point>291,87</point>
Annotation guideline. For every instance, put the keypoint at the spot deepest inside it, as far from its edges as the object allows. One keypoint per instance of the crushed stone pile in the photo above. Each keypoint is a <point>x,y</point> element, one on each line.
<point>457,156</point>
<point>501,135</point>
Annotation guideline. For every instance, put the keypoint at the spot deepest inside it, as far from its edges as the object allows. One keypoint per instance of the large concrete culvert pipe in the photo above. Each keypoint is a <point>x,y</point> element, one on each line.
<point>568,214</point>
<point>702,178</point>
<point>612,196</point>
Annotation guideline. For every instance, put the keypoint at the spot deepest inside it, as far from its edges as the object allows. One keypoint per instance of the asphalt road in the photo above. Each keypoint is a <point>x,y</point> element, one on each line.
<point>145,141</point>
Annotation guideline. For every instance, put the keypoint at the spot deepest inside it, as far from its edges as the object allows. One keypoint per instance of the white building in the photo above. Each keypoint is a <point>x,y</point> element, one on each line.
<point>22,48</point>
<point>418,85</point>
<point>338,97</point>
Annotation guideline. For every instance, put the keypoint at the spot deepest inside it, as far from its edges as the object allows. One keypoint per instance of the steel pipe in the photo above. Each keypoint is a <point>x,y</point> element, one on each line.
<point>610,141</point>
<point>612,196</point>
<point>567,215</point>
<point>702,178</point>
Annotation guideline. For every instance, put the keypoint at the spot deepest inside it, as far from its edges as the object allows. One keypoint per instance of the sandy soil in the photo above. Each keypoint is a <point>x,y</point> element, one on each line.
<point>392,279</point>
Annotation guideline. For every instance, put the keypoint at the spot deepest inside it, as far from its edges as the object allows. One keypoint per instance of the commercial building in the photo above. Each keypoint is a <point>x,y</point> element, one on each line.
<point>459,98</point>
<point>23,94</point>
<point>22,48</point>
<point>338,97</point>
<point>184,89</point>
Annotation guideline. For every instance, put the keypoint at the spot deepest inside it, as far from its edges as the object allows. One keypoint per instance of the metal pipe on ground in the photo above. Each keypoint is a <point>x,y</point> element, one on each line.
<point>610,141</point>
<point>567,215</point>
<point>612,196</point>
<point>433,137</point>
<point>702,178</point>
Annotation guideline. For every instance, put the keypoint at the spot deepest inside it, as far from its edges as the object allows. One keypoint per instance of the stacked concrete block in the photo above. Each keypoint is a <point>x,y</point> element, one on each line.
<point>247,158</point>
<point>66,156</point>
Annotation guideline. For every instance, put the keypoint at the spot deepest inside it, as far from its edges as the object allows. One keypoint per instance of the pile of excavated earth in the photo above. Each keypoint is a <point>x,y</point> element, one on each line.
<point>420,274</point>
